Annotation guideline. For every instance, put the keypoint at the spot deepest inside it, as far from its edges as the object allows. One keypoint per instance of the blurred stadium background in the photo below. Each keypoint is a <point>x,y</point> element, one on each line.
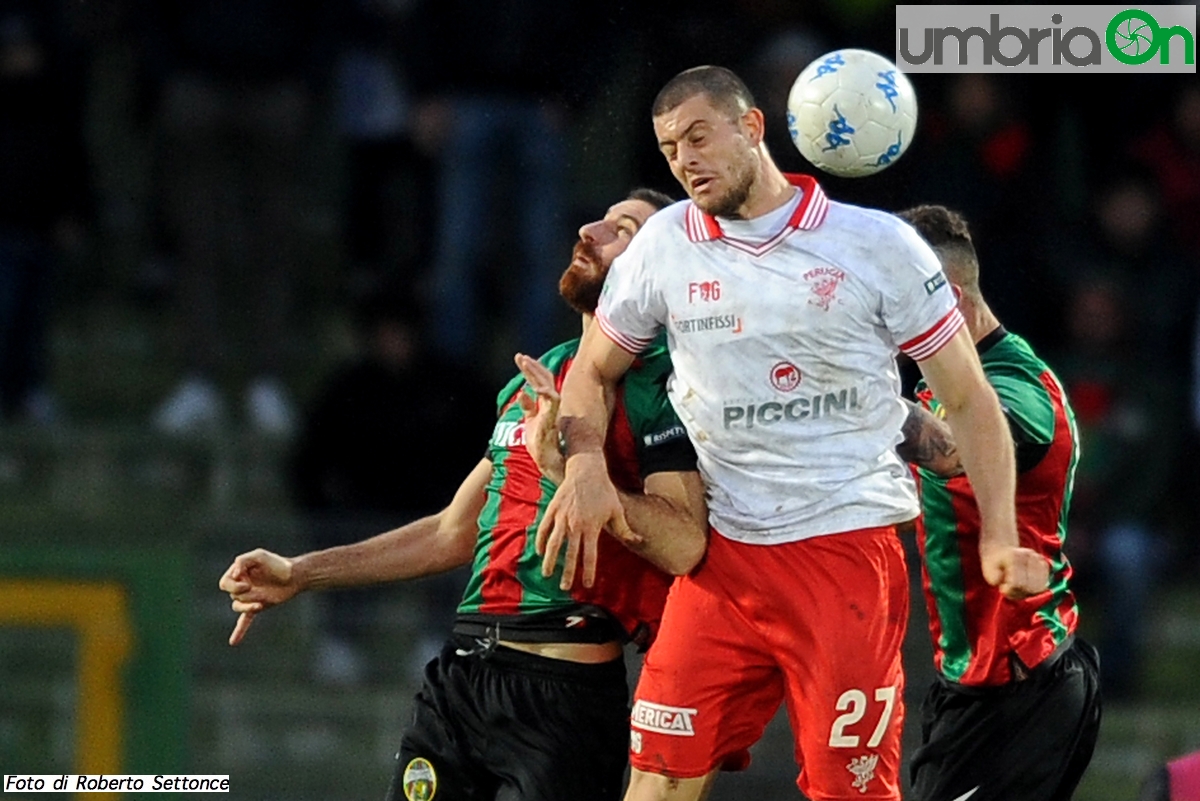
<point>214,212</point>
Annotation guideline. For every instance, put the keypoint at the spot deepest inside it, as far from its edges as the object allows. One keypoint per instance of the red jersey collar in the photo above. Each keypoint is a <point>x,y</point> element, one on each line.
<point>814,203</point>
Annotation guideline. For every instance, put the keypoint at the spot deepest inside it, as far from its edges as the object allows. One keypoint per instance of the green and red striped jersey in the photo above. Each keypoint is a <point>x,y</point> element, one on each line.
<point>976,631</point>
<point>506,587</point>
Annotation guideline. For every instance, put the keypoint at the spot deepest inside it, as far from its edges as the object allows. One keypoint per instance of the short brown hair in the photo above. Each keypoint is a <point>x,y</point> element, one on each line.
<point>947,233</point>
<point>726,90</point>
<point>659,200</point>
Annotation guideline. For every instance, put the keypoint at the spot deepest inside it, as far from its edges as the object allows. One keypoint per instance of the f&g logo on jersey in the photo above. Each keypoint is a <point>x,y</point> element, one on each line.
<point>704,291</point>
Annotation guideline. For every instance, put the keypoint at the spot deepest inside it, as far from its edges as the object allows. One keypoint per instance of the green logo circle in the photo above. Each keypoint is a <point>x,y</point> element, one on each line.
<point>1132,36</point>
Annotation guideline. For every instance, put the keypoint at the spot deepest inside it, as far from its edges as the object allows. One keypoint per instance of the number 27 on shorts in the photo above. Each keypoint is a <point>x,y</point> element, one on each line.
<point>854,702</point>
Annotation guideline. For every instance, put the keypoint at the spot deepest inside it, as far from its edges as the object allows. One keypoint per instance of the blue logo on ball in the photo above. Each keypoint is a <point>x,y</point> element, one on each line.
<point>887,85</point>
<point>838,133</point>
<point>891,154</point>
<point>829,66</point>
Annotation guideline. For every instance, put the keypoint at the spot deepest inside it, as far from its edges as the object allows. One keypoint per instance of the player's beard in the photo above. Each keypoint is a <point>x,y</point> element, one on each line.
<point>727,205</point>
<point>580,286</point>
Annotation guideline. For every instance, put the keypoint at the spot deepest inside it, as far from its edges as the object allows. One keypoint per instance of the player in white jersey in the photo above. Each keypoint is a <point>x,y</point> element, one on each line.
<point>784,312</point>
<point>785,345</point>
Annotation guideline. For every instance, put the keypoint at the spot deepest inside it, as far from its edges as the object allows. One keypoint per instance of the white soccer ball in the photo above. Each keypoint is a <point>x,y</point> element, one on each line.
<point>852,113</point>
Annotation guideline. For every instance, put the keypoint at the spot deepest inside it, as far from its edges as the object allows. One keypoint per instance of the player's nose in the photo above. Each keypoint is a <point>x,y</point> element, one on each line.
<point>592,232</point>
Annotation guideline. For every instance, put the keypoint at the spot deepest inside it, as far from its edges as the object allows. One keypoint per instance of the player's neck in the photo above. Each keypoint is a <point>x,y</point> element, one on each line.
<point>770,191</point>
<point>980,320</point>
<point>588,319</point>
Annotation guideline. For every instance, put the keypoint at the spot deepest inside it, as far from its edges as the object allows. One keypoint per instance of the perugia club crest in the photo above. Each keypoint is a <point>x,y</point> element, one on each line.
<point>824,283</point>
<point>863,768</point>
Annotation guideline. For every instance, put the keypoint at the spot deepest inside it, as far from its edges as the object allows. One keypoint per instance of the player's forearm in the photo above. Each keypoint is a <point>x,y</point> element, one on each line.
<point>985,445</point>
<point>673,539</point>
<point>421,548</point>
<point>589,391</point>
<point>586,406</point>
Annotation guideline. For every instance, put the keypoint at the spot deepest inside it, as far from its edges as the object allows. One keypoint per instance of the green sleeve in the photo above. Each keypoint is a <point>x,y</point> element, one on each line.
<point>509,391</point>
<point>1027,406</point>
<point>662,441</point>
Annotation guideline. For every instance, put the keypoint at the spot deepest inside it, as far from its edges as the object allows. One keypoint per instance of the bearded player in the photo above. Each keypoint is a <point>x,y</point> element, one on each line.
<point>529,698</point>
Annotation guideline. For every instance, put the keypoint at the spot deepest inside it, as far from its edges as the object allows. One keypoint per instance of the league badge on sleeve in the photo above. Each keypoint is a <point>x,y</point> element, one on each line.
<point>420,780</point>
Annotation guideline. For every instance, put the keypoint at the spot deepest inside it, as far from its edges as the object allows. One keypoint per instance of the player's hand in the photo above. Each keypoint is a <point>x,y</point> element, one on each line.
<point>256,581</point>
<point>1017,572</point>
<point>585,503</point>
<point>541,418</point>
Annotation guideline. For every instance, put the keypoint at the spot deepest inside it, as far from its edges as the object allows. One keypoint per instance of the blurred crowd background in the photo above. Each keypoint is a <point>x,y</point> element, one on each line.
<point>264,264</point>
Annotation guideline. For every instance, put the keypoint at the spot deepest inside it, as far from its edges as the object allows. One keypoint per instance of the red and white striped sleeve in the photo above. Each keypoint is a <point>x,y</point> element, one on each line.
<point>634,345</point>
<point>925,345</point>
<point>918,304</point>
<point>631,310</point>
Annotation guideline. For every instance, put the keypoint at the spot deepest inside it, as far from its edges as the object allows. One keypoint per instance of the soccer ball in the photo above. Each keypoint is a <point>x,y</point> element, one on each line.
<point>852,113</point>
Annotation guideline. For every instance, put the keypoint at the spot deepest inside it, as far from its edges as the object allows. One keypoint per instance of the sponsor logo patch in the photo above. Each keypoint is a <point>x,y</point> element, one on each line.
<point>659,437</point>
<point>807,408</point>
<point>935,283</point>
<point>420,780</point>
<point>662,719</point>
<point>717,322</point>
<point>508,434</point>
<point>704,291</point>
<point>785,376</point>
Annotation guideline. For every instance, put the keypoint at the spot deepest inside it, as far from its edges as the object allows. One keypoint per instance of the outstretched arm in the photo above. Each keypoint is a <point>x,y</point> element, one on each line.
<point>586,501</point>
<point>260,579</point>
<point>986,447</point>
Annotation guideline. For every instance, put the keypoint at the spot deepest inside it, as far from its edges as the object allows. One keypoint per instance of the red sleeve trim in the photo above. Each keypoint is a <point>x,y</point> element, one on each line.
<point>632,345</point>
<point>922,347</point>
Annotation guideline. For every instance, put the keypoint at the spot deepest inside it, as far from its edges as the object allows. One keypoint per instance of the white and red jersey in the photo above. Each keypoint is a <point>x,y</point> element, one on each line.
<point>783,331</point>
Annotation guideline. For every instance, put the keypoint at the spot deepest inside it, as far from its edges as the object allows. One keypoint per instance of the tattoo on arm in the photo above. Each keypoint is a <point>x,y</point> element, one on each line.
<point>928,442</point>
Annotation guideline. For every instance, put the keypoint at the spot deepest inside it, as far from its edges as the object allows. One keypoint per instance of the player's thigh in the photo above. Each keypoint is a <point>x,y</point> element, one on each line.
<point>562,736</point>
<point>434,756</point>
<point>707,689</point>
<point>1085,661</point>
<point>1030,739</point>
<point>842,664</point>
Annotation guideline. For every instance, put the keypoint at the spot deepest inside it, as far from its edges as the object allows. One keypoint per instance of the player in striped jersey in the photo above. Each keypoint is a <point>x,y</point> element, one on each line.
<point>529,698</point>
<point>1016,708</point>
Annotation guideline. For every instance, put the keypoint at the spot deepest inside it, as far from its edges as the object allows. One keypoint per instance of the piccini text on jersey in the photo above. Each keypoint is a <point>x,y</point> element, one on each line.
<point>508,434</point>
<point>771,412</point>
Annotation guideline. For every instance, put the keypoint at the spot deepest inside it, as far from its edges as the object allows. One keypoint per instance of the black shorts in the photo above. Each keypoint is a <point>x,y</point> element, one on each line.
<point>1029,740</point>
<point>505,725</point>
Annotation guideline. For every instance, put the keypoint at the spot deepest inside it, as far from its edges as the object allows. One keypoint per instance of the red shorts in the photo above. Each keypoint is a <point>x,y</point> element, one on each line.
<point>816,623</point>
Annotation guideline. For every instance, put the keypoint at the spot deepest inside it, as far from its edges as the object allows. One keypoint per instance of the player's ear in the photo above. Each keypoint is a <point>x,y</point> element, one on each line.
<point>753,125</point>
